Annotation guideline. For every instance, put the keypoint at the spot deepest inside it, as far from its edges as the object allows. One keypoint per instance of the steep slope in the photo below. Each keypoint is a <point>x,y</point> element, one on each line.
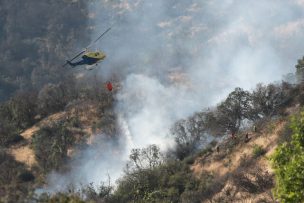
<point>237,160</point>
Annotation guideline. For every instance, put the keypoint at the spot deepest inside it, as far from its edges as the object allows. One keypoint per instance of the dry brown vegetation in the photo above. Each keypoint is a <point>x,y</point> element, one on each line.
<point>244,178</point>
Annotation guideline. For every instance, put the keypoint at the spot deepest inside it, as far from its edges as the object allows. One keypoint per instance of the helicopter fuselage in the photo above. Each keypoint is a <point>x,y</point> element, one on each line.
<point>89,58</point>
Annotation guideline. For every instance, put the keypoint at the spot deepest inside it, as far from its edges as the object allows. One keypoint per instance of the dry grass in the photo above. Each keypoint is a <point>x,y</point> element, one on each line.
<point>230,161</point>
<point>24,154</point>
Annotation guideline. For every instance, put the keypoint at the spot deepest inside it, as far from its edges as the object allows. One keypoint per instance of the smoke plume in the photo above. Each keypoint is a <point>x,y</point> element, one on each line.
<point>177,57</point>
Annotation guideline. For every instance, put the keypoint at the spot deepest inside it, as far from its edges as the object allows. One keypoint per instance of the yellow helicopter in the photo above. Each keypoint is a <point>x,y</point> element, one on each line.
<point>89,58</point>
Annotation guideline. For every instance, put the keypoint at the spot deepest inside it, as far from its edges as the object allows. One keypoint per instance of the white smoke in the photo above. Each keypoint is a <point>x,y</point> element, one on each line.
<point>177,57</point>
<point>150,108</point>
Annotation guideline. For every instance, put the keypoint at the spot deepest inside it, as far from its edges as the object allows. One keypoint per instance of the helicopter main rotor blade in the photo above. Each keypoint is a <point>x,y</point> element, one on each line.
<point>77,55</point>
<point>99,37</point>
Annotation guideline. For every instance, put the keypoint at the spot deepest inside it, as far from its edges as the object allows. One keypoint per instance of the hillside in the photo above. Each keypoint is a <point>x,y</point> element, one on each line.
<point>180,102</point>
<point>235,158</point>
<point>63,125</point>
<point>236,169</point>
<point>86,115</point>
<point>39,148</point>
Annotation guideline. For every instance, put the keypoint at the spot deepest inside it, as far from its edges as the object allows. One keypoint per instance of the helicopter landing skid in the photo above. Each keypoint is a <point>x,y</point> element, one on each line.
<point>91,67</point>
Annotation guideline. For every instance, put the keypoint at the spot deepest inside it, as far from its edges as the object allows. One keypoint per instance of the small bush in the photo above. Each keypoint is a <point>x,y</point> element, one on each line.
<point>258,151</point>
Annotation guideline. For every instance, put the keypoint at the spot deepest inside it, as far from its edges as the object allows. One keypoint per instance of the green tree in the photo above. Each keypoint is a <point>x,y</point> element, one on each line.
<point>188,134</point>
<point>232,111</point>
<point>146,158</point>
<point>266,100</point>
<point>288,162</point>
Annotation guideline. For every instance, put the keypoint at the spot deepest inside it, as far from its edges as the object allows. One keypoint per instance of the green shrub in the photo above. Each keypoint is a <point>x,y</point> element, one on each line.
<point>163,182</point>
<point>288,164</point>
<point>285,134</point>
